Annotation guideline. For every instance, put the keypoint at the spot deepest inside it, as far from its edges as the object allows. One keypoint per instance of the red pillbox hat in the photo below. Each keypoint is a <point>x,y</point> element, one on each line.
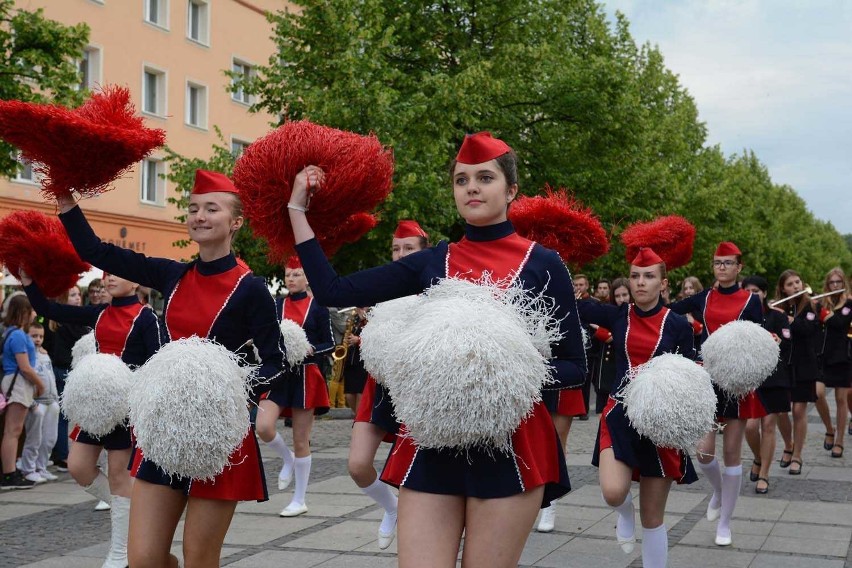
<point>210,182</point>
<point>481,147</point>
<point>293,263</point>
<point>646,258</point>
<point>409,228</point>
<point>727,249</point>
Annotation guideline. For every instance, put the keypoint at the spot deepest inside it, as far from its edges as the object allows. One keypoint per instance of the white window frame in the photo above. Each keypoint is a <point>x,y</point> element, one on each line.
<point>34,179</point>
<point>202,111</point>
<point>240,96</point>
<point>163,9</point>
<point>160,182</point>
<point>94,66</point>
<point>242,142</point>
<point>204,24</point>
<point>162,90</point>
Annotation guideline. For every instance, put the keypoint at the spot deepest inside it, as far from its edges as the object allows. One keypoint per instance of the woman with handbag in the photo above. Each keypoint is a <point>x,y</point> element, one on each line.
<point>20,385</point>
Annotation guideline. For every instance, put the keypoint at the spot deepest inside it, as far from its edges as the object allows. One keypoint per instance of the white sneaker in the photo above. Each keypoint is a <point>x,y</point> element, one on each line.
<point>386,538</point>
<point>47,475</point>
<point>294,510</point>
<point>547,520</point>
<point>34,477</point>
<point>102,506</point>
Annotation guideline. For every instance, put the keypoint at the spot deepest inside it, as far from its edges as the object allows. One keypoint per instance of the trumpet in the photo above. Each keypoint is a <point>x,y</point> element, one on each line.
<point>807,290</point>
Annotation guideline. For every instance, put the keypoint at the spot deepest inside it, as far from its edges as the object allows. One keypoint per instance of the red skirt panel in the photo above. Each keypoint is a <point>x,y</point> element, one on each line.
<point>306,389</point>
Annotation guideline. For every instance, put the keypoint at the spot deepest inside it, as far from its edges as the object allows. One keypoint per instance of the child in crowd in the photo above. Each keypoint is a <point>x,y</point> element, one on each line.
<point>43,418</point>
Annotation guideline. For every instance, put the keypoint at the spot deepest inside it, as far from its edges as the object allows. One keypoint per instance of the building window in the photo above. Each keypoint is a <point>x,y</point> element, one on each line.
<point>154,91</point>
<point>26,171</point>
<point>242,71</point>
<point>196,105</point>
<point>153,182</point>
<point>89,67</point>
<point>238,147</point>
<point>198,21</point>
<point>157,12</point>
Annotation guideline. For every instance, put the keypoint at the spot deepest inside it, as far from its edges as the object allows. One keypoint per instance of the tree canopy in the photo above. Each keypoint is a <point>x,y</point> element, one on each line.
<point>38,63</point>
<point>582,104</point>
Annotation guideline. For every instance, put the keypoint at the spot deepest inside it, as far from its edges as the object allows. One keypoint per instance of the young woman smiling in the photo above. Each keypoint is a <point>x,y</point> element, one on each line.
<point>490,496</point>
<point>214,296</point>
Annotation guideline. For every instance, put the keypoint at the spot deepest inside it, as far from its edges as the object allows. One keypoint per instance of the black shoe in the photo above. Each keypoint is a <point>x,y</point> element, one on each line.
<point>583,417</point>
<point>61,465</point>
<point>15,480</point>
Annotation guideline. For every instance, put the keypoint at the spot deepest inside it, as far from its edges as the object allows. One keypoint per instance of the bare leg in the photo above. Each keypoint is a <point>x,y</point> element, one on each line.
<point>83,462</point>
<point>563,427</point>
<point>785,427</point>
<point>767,446</point>
<point>841,396</point>
<point>366,439</point>
<point>267,419</point>
<point>430,529</point>
<point>13,425</point>
<point>120,482</point>
<point>207,522</point>
<point>496,530</point>
<point>825,415</point>
<point>154,514</point>
<point>800,432</point>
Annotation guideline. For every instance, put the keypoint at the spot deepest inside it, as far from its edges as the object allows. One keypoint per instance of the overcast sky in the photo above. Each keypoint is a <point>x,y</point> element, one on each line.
<point>773,76</point>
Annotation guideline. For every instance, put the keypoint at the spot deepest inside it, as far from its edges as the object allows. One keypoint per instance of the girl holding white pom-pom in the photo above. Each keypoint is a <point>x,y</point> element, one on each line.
<point>300,399</point>
<point>490,496</point>
<point>130,330</point>
<point>641,331</point>
<point>720,305</point>
<point>215,296</point>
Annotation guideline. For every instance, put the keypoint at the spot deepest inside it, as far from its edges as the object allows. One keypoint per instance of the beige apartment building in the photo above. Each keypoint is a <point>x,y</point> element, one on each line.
<point>172,55</point>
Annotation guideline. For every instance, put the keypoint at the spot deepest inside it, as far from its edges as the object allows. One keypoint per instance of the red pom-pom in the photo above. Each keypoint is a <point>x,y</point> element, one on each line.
<point>41,246</point>
<point>358,176</point>
<point>560,222</point>
<point>670,237</point>
<point>83,149</point>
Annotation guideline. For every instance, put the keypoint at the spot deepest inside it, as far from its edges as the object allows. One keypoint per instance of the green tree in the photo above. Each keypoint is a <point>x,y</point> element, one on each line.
<point>38,63</point>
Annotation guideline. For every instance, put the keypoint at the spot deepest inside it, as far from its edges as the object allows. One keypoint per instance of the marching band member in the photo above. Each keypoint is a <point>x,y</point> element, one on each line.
<point>130,330</point>
<point>302,397</point>
<point>215,296</point>
<point>491,497</point>
<point>804,327</point>
<point>717,306</point>
<point>836,316</point>
<point>641,330</point>
<point>374,420</point>
<point>354,373</point>
<point>774,393</point>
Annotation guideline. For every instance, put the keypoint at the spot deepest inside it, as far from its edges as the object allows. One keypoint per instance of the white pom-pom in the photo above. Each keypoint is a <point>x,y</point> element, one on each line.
<point>295,342</point>
<point>460,362</point>
<point>670,400</point>
<point>379,337</point>
<point>86,345</point>
<point>96,393</point>
<point>739,356</point>
<point>189,412</point>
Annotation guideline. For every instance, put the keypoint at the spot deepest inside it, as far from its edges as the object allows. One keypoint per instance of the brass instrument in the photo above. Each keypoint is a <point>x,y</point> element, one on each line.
<point>807,290</point>
<point>341,350</point>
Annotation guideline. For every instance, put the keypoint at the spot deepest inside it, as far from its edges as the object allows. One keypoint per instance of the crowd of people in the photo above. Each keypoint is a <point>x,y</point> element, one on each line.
<point>492,498</point>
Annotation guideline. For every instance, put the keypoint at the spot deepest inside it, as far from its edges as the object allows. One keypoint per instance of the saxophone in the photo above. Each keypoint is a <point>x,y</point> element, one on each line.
<point>338,356</point>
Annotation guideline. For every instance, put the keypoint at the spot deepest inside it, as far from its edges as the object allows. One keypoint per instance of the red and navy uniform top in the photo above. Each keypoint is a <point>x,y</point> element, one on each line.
<point>835,347</point>
<point>314,319</point>
<point>507,255</point>
<point>125,328</point>
<point>638,336</point>
<point>220,300</point>
<point>717,306</point>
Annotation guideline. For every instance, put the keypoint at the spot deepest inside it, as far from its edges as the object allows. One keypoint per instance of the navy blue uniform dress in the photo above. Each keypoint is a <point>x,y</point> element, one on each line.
<point>537,457</point>
<point>836,356</point>
<point>307,388</point>
<point>805,367</point>
<point>774,392</point>
<point>716,307</point>
<point>125,328</point>
<point>220,300</point>
<point>639,336</point>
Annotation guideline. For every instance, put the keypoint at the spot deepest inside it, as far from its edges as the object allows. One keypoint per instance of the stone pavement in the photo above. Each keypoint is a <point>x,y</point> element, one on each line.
<point>804,521</point>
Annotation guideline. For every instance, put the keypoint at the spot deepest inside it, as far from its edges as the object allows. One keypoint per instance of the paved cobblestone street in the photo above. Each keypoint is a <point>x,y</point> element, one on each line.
<point>804,521</point>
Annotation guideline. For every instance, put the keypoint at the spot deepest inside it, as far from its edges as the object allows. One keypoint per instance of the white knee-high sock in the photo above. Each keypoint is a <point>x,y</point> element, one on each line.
<point>731,482</point>
<point>714,476</point>
<point>381,493</point>
<point>655,547</point>
<point>280,447</point>
<point>625,526</point>
<point>99,488</point>
<point>303,473</point>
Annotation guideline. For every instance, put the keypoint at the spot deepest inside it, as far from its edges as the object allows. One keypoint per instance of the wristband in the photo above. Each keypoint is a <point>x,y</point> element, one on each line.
<point>297,207</point>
